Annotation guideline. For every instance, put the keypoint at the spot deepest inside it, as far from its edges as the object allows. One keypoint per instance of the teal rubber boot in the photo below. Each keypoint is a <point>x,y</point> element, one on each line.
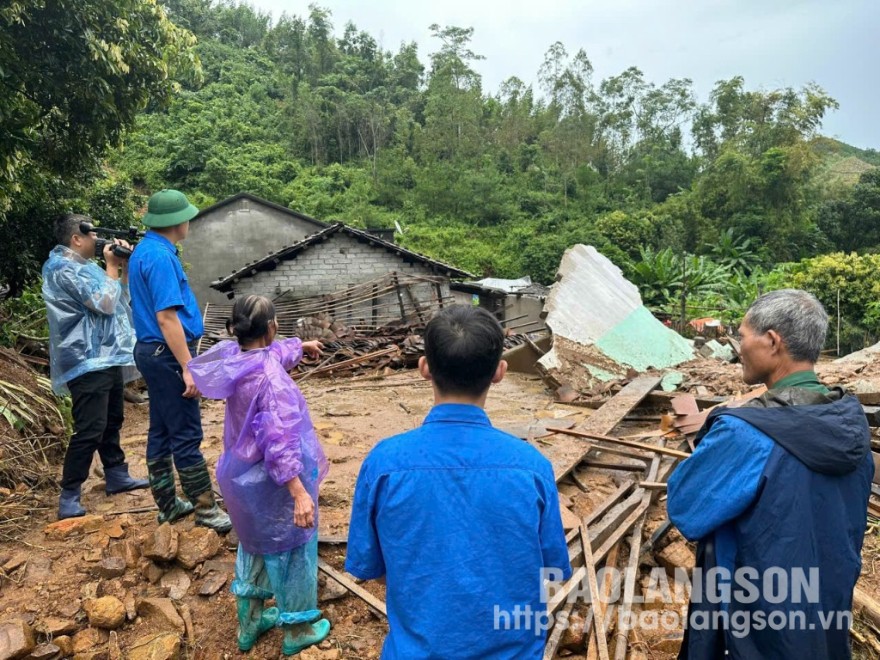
<point>303,635</point>
<point>253,621</point>
<point>171,507</point>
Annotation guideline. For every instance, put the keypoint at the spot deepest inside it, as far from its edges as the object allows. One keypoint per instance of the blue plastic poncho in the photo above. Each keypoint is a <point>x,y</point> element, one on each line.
<point>268,439</point>
<point>89,318</point>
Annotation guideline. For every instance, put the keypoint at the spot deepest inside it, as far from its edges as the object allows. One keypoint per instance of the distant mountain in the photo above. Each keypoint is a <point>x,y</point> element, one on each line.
<point>844,163</point>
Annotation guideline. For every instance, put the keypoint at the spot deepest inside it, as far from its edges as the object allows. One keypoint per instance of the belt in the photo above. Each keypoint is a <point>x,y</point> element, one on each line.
<point>156,344</point>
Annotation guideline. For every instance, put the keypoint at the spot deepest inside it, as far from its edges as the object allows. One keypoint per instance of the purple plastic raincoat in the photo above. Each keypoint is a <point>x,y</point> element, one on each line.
<point>268,439</point>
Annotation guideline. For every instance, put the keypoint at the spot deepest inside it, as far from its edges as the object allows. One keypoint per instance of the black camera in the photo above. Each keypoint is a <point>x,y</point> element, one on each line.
<point>131,235</point>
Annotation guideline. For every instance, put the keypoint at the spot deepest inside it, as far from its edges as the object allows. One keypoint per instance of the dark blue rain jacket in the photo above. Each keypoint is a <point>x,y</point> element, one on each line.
<point>776,493</point>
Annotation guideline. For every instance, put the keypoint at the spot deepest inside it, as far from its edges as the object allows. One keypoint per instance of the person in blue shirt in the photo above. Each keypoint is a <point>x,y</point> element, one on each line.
<point>457,516</point>
<point>168,326</point>
<point>776,495</point>
<point>90,343</point>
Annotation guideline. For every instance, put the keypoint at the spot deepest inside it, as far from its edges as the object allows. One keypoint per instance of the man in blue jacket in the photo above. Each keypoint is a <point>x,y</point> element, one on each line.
<point>776,494</point>
<point>90,342</point>
<point>459,517</point>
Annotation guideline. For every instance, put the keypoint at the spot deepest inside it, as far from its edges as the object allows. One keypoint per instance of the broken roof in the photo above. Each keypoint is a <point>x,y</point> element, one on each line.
<point>271,261</point>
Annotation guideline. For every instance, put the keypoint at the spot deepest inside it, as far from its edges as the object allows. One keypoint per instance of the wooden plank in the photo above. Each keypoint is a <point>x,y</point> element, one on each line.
<point>600,609</point>
<point>686,404</point>
<point>598,621</point>
<point>619,441</point>
<point>555,638</point>
<point>353,587</point>
<point>605,419</point>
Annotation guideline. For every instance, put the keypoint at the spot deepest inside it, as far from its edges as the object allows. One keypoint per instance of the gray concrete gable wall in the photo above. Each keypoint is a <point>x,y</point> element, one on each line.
<point>233,235</point>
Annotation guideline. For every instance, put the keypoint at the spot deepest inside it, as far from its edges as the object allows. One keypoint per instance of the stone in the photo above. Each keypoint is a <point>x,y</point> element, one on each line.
<point>113,649</point>
<point>114,530</point>
<point>128,550</point>
<point>38,570</point>
<point>573,638</point>
<point>111,567</point>
<point>69,609</point>
<point>151,571</point>
<point>162,544</point>
<point>162,612</point>
<point>92,654</point>
<point>212,584</point>
<point>130,606</point>
<point>177,582</point>
<point>89,591</point>
<point>670,643</point>
<point>89,638</point>
<point>224,566</point>
<point>197,546</point>
<point>156,647</point>
<point>331,590</point>
<point>314,653</point>
<point>62,529</point>
<point>107,612</point>
<point>676,555</point>
<point>45,652</point>
<point>16,639</point>
<point>53,627</point>
<point>15,562</point>
<point>64,643</point>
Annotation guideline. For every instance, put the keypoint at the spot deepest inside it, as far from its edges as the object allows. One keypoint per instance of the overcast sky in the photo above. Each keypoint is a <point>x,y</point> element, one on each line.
<point>772,43</point>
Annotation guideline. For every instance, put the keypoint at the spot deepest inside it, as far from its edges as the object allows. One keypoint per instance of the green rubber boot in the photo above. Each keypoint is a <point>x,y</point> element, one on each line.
<point>303,635</point>
<point>161,475</point>
<point>253,621</point>
<point>196,483</point>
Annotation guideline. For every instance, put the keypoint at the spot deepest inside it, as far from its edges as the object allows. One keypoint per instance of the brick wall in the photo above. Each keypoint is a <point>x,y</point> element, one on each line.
<point>338,263</point>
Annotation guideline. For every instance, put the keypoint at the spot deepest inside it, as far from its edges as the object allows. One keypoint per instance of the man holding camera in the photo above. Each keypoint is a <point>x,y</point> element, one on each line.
<point>90,341</point>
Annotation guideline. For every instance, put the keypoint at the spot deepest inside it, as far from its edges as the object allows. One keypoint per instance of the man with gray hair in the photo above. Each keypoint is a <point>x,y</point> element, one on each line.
<point>776,495</point>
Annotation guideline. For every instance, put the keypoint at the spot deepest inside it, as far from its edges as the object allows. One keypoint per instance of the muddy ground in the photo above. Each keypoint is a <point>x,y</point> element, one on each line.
<point>52,578</point>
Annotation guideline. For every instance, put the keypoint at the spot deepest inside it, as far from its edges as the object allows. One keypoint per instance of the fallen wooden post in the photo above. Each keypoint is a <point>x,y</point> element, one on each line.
<point>353,587</point>
<point>653,485</point>
<point>595,596</point>
<point>626,443</point>
<point>601,609</point>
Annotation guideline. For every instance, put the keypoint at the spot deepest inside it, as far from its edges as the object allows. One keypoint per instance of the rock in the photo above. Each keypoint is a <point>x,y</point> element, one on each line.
<point>130,606</point>
<point>89,638</point>
<point>156,647</point>
<point>197,546</point>
<point>223,566</point>
<point>574,636</point>
<point>161,611</point>
<point>212,584</point>
<point>677,555</point>
<point>69,609</point>
<point>53,627</point>
<point>64,643</point>
<point>114,530</point>
<point>45,652</point>
<point>670,643</point>
<point>128,550</point>
<point>111,567</point>
<point>314,653</point>
<point>151,571</point>
<point>113,649</point>
<point>16,639</point>
<point>58,531</point>
<point>38,570</point>
<point>107,612</point>
<point>93,654</point>
<point>331,590</point>
<point>89,591</point>
<point>15,562</point>
<point>162,545</point>
<point>231,540</point>
<point>177,582</point>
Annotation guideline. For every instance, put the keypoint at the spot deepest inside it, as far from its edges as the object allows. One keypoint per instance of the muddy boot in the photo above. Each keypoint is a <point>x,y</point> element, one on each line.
<point>196,483</point>
<point>171,507</point>
<point>68,504</point>
<point>302,635</point>
<point>253,621</point>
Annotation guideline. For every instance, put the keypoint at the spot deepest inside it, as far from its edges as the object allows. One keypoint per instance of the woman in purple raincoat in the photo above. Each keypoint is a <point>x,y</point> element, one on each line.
<point>269,473</point>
